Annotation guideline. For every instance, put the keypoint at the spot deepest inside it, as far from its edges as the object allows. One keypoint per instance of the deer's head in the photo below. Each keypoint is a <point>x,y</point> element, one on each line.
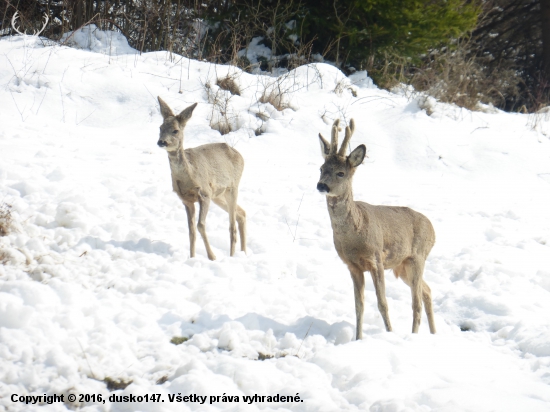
<point>171,130</point>
<point>338,169</point>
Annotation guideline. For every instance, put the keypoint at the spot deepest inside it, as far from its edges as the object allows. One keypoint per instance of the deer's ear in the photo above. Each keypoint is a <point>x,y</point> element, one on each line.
<point>356,157</point>
<point>186,114</point>
<point>165,111</point>
<point>325,147</point>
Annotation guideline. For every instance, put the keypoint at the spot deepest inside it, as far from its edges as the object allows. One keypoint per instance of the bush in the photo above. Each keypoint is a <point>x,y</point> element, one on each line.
<point>457,75</point>
<point>228,83</point>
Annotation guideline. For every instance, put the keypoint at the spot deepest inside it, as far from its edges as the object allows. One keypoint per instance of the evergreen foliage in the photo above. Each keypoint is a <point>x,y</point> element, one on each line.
<point>363,32</point>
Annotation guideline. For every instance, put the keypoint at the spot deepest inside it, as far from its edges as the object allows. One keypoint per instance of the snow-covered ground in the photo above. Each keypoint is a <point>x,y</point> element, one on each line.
<point>96,277</point>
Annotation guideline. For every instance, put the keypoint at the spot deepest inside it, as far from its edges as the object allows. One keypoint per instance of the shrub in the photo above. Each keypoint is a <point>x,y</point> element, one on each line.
<point>228,83</point>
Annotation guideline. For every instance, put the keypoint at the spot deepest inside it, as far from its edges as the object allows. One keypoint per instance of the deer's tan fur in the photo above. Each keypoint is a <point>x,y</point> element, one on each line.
<point>374,238</point>
<point>210,172</point>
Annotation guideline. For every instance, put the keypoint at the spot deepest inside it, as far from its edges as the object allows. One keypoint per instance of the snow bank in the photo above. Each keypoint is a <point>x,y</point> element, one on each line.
<point>98,41</point>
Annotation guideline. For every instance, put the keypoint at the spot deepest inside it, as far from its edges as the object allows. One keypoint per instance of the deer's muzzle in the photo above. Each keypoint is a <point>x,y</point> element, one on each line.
<point>321,187</point>
<point>162,143</point>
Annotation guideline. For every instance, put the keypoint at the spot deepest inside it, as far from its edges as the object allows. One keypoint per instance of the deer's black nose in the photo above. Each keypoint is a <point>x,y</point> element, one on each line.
<point>321,187</point>
<point>162,143</point>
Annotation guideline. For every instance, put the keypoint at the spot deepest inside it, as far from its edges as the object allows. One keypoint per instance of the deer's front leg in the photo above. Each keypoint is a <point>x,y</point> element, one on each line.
<point>358,278</point>
<point>204,204</point>
<point>377,274</point>
<point>190,209</point>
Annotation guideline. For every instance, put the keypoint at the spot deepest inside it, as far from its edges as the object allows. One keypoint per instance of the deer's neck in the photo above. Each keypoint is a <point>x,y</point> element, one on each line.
<point>344,214</point>
<point>184,180</point>
<point>179,164</point>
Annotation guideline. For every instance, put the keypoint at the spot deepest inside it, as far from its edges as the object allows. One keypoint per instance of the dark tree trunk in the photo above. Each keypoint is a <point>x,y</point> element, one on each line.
<point>79,19</point>
<point>545,26</point>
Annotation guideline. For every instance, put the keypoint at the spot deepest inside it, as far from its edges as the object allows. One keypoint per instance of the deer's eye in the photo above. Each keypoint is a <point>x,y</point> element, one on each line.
<point>174,132</point>
<point>340,174</point>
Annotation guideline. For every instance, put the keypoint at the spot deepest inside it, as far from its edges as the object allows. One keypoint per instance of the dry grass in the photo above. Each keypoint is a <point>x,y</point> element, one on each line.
<point>178,340</point>
<point>228,83</point>
<point>4,257</point>
<point>221,124</point>
<point>342,86</point>
<point>116,384</point>
<point>276,91</point>
<point>222,116</point>
<point>162,380</point>
<point>452,75</point>
<point>6,227</point>
<point>266,356</point>
<point>6,219</point>
<point>274,97</point>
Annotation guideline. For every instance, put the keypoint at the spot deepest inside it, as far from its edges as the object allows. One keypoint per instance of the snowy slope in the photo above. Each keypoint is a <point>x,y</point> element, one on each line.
<point>96,277</point>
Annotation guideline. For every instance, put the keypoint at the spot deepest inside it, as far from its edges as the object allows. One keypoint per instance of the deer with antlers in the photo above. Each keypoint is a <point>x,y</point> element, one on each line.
<point>374,238</point>
<point>35,33</point>
<point>210,172</point>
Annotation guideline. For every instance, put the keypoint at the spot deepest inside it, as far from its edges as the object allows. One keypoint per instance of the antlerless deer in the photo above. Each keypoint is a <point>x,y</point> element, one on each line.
<point>373,238</point>
<point>210,172</point>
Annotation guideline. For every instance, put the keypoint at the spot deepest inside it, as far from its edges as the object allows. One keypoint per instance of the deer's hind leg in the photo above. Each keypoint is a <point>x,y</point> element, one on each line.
<point>236,213</point>
<point>228,203</point>
<point>411,271</point>
<point>241,221</point>
<point>427,299</point>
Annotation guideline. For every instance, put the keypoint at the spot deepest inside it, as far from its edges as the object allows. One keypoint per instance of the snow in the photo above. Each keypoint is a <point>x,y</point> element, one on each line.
<point>95,40</point>
<point>255,50</point>
<point>96,277</point>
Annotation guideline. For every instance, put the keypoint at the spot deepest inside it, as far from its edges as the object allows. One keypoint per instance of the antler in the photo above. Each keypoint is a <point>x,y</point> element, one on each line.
<point>14,18</point>
<point>349,132</point>
<point>334,137</point>
<point>13,22</point>
<point>46,20</point>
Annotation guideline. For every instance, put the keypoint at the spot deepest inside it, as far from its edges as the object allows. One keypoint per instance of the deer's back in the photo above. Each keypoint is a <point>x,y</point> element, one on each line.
<point>217,158</point>
<point>399,232</point>
<point>214,168</point>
